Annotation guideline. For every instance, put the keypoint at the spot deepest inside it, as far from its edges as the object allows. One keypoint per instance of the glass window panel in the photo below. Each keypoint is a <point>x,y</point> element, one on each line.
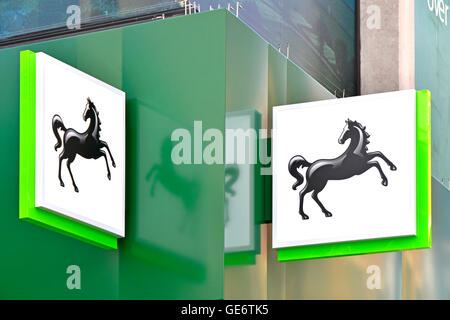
<point>18,17</point>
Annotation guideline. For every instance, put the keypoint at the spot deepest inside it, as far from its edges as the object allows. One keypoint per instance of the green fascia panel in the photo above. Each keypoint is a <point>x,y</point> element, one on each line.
<point>174,247</point>
<point>27,209</point>
<point>169,252</point>
<point>422,239</point>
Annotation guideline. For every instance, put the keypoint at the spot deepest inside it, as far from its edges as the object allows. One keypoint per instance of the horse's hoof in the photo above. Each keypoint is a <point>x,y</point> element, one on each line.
<point>76,189</point>
<point>305,217</point>
<point>109,176</point>
<point>328,214</point>
<point>393,168</point>
<point>384,183</point>
<point>62,184</point>
<point>114,164</point>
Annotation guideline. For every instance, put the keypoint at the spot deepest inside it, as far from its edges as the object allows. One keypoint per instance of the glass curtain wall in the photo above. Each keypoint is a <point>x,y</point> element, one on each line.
<point>317,35</point>
<point>19,17</point>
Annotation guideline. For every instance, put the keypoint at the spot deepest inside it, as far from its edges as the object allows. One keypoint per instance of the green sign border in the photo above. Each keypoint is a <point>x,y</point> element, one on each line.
<point>422,239</point>
<point>27,209</point>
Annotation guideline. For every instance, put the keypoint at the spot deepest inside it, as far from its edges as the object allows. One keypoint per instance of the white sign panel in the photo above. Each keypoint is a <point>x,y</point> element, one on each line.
<point>80,146</point>
<point>344,170</point>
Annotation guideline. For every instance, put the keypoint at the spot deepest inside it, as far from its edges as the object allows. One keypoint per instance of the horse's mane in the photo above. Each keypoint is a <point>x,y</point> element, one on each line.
<point>366,135</point>
<point>91,104</point>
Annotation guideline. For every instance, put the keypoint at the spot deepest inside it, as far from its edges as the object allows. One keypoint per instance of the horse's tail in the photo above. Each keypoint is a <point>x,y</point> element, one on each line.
<point>57,123</point>
<point>295,163</point>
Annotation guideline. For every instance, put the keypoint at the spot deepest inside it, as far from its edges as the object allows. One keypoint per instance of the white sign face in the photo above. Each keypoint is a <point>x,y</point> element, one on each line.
<point>344,169</point>
<point>80,146</point>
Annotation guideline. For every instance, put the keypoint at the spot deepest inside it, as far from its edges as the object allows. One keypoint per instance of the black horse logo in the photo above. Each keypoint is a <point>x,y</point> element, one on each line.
<point>86,144</point>
<point>354,161</point>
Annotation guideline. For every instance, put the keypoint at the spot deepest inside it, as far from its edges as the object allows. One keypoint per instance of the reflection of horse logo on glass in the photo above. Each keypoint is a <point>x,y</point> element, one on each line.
<point>354,161</point>
<point>86,144</point>
<point>231,176</point>
<point>165,173</point>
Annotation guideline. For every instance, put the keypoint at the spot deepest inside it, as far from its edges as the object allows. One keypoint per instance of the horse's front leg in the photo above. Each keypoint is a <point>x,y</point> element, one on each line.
<point>382,156</point>
<point>69,161</point>
<point>375,164</point>
<point>153,186</point>
<point>61,157</point>
<point>105,145</point>
<point>152,171</point>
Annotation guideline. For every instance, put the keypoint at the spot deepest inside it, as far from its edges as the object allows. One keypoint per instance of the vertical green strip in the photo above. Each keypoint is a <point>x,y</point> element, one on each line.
<point>27,131</point>
<point>423,164</point>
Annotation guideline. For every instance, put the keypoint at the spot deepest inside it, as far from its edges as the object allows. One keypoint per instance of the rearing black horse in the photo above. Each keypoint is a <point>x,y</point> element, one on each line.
<point>354,161</point>
<point>86,144</point>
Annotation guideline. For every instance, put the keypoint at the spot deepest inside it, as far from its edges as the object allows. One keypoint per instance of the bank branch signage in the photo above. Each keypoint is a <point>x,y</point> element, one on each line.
<point>352,176</point>
<point>72,151</point>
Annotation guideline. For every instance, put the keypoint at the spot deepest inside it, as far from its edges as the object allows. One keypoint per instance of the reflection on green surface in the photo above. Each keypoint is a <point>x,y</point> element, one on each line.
<point>231,176</point>
<point>242,187</point>
<point>174,247</point>
<point>165,174</point>
<point>169,227</point>
<point>174,239</point>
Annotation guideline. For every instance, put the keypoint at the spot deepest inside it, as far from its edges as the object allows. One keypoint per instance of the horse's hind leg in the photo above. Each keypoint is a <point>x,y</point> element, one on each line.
<point>315,196</point>
<point>303,193</point>
<point>69,161</point>
<point>61,158</point>
<point>103,154</point>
